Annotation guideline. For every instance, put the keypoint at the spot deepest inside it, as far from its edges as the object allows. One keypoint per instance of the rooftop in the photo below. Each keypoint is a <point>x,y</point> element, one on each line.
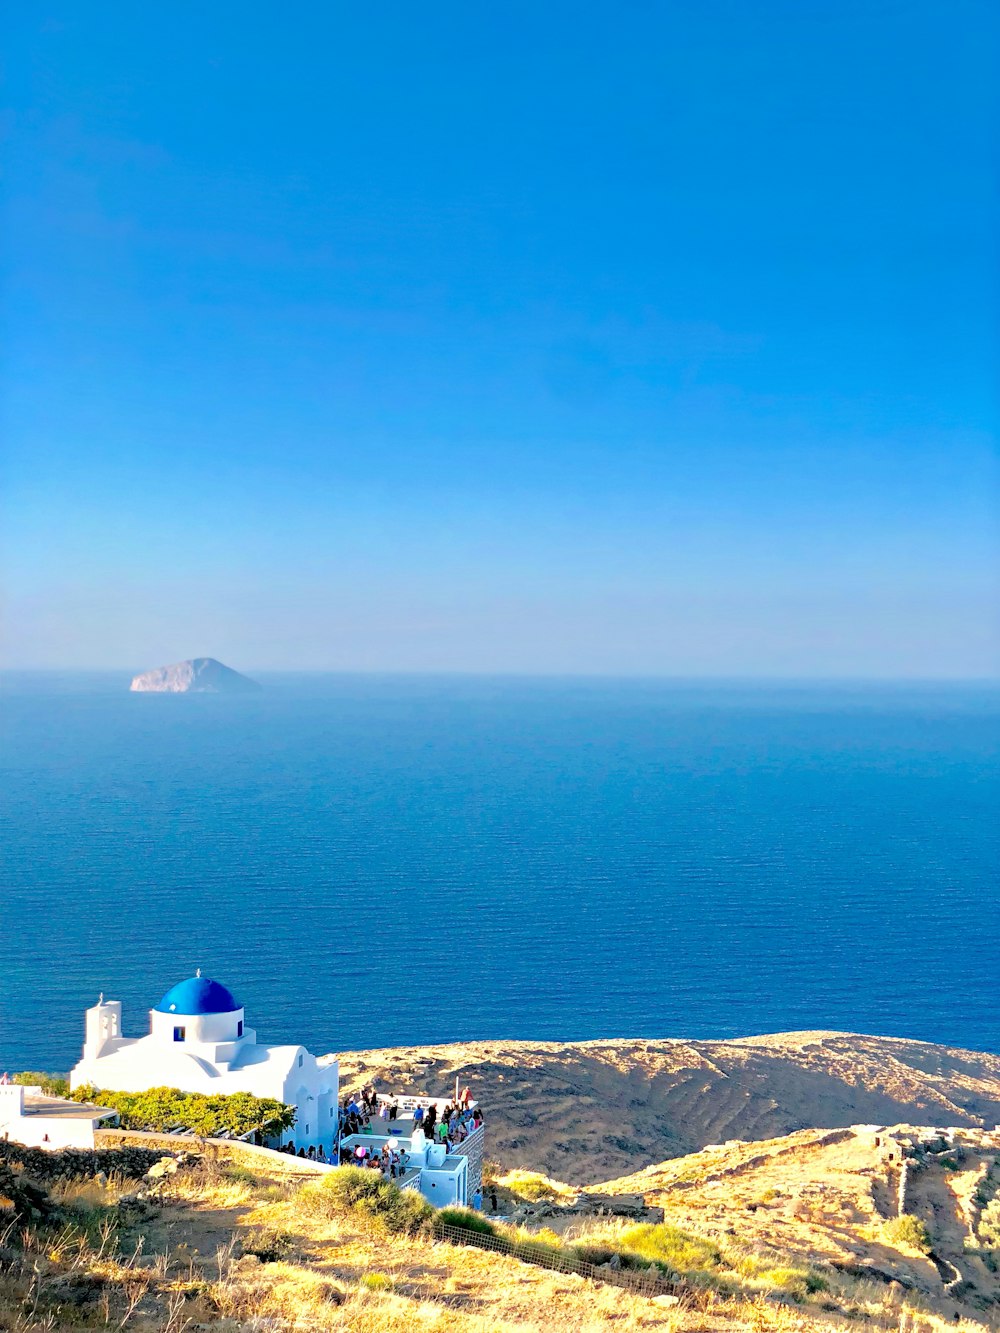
<point>198,995</point>
<point>61,1108</point>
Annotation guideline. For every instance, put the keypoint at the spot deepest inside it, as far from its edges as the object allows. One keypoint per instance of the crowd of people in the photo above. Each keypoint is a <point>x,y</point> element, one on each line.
<point>368,1113</point>
<point>361,1114</point>
<point>312,1153</point>
<point>456,1122</point>
<point>392,1162</point>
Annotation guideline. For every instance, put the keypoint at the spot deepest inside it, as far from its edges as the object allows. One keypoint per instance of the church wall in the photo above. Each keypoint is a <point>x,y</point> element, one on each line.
<point>208,1029</point>
<point>314,1090</point>
<point>199,1063</point>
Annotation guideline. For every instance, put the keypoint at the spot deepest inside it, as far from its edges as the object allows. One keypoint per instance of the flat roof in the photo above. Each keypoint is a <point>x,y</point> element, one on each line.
<point>61,1108</point>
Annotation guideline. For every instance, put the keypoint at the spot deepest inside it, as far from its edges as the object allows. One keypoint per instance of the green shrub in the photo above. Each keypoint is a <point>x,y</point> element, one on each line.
<point>240,1175</point>
<point>53,1085</point>
<point>542,1253</point>
<point>907,1230</point>
<point>989,1225</point>
<point>377,1282</point>
<point>798,1283</point>
<point>369,1196</point>
<point>466,1219</point>
<point>666,1244</point>
<point>163,1108</point>
<point>530,1185</point>
<point>268,1245</point>
<point>593,1254</point>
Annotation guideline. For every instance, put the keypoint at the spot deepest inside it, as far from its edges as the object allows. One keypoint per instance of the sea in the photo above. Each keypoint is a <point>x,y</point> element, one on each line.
<point>386,860</point>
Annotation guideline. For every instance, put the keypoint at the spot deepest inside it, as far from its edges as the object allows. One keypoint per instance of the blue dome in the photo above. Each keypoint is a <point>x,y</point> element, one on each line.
<point>198,995</point>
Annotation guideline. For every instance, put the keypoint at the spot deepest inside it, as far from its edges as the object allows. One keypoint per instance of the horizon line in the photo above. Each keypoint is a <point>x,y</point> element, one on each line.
<point>467,674</point>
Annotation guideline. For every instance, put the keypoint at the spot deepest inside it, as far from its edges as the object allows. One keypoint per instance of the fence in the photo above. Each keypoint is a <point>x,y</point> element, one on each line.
<point>642,1281</point>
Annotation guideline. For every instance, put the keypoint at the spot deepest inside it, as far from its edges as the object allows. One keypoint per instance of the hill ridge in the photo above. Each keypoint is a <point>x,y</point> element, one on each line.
<point>603,1108</point>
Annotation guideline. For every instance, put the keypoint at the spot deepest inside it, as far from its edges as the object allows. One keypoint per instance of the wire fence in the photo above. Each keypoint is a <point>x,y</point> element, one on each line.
<point>642,1281</point>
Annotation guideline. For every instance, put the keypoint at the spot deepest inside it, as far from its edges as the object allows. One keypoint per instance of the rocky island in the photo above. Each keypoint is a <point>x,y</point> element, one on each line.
<point>198,675</point>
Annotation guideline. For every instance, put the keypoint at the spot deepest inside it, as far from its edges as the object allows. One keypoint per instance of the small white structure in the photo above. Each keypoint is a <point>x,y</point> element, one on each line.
<point>29,1117</point>
<point>439,1176</point>
<point>443,1175</point>
<point>198,1042</point>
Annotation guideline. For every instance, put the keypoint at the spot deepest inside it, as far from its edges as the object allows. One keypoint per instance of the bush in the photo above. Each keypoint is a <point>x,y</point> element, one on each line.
<point>907,1230</point>
<point>369,1196</point>
<point>240,1175</point>
<point>594,1254</point>
<point>53,1085</point>
<point>492,1171</point>
<point>530,1185</point>
<point>160,1109</point>
<point>798,1283</point>
<point>377,1282</point>
<point>466,1219</point>
<point>542,1253</point>
<point>989,1225</point>
<point>548,1236</point>
<point>268,1245</point>
<point>665,1244</point>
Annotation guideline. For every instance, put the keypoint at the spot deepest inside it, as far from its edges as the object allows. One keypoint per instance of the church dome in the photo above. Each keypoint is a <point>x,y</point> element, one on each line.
<point>198,995</point>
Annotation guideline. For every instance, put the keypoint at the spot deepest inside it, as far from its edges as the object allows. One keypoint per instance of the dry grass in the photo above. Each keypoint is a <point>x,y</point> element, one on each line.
<point>191,1260</point>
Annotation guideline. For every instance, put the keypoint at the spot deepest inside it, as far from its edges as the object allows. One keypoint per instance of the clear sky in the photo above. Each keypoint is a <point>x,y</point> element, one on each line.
<point>653,338</point>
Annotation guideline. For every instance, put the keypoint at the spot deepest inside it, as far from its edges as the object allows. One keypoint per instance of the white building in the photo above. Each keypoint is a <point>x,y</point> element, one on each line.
<point>28,1116</point>
<point>442,1175</point>
<point>198,1041</point>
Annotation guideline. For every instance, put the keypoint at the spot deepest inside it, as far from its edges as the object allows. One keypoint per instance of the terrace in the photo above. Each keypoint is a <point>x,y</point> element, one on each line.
<point>444,1172</point>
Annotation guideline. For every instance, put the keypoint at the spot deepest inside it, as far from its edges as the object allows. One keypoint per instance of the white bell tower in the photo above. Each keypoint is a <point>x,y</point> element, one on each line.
<point>104,1027</point>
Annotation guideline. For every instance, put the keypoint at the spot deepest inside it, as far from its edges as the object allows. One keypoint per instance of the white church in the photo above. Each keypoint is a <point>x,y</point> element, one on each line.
<point>198,1041</point>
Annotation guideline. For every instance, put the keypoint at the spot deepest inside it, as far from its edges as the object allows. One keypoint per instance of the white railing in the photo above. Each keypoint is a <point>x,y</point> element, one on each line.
<point>410,1103</point>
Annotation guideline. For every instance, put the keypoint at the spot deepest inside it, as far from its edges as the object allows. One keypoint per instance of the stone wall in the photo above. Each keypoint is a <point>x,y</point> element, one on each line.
<point>473,1148</point>
<point>902,1197</point>
<point>249,1154</point>
<point>132,1161</point>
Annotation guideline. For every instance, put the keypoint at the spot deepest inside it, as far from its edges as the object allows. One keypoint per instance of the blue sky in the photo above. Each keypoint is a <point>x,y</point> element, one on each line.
<point>633,338</point>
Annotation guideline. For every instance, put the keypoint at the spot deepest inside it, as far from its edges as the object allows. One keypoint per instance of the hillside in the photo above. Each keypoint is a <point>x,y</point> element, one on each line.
<point>589,1111</point>
<point>775,1219</point>
<point>208,1243</point>
<point>832,1196</point>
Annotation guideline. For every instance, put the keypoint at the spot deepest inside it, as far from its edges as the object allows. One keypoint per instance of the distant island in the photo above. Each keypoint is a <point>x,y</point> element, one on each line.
<point>198,675</point>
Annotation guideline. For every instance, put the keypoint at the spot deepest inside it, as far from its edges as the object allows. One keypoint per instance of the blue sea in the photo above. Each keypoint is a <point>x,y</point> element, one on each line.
<point>374,861</point>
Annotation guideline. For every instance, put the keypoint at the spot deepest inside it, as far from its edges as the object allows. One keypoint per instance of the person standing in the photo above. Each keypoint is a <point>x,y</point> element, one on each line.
<point>477,1201</point>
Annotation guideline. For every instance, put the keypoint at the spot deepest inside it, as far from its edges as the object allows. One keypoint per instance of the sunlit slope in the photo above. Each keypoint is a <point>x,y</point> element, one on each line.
<point>585,1111</point>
